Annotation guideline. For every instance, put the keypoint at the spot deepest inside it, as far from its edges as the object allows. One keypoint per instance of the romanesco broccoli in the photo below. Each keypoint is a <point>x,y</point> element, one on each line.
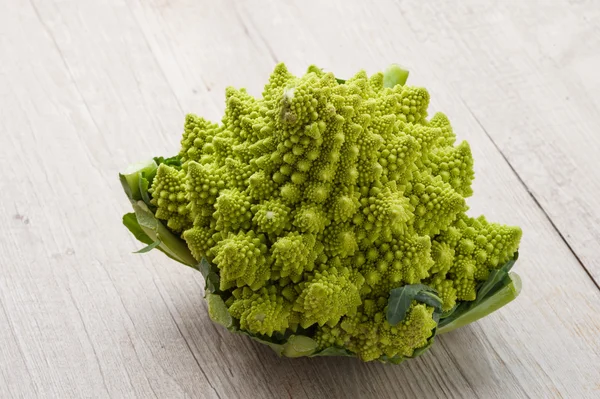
<point>324,208</point>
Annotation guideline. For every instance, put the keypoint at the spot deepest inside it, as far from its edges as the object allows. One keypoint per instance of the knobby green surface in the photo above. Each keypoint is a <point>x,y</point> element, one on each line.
<point>499,289</point>
<point>401,298</point>
<point>146,225</point>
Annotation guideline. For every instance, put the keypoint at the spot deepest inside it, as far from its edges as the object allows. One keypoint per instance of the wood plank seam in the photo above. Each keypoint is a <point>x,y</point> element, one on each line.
<point>502,360</point>
<point>187,343</point>
<point>533,197</point>
<point>91,115</point>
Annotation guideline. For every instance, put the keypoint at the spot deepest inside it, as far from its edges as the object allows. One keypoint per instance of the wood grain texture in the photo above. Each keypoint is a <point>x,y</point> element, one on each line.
<point>86,88</point>
<point>529,75</point>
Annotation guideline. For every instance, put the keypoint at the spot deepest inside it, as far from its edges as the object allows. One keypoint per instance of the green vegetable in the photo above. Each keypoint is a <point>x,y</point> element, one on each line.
<point>328,218</point>
<point>401,298</point>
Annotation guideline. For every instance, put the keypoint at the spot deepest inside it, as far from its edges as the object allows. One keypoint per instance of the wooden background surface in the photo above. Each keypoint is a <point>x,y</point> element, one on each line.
<point>88,86</point>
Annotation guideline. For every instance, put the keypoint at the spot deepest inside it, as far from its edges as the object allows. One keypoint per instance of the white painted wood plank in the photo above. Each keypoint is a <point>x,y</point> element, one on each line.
<point>528,70</point>
<point>62,269</point>
<point>88,88</point>
<point>169,30</point>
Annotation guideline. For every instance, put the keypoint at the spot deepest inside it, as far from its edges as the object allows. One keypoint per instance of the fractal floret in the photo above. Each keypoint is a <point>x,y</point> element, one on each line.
<point>328,217</point>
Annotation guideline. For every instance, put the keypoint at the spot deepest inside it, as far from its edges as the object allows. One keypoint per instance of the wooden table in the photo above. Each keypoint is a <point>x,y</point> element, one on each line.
<point>87,88</point>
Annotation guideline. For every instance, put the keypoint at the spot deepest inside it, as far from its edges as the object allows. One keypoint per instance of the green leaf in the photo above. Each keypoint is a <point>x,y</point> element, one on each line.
<point>144,184</point>
<point>299,345</point>
<point>334,351</point>
<point>218,312</point>
<point>130,178</point>
<point>136,180</point>
<point>277,348</point>
<point>496,276</point>
<point>211,276</point>
<point>126,187</point>
<point>148,248</point>
<point>204,267</point>
<point>174,161</point>
<point>173,246</point>
<point>449,313</point>
<point>147,235</point>
<point>500,288</point>
<point>130,221</point>
<point>391,360</point>
<point>212,282</point>
<point>395,75</point>
<point>340,81</point>
<point>401,298</point>
<point>430,299</point>
<point>399,302</point>
<point>145,217</point>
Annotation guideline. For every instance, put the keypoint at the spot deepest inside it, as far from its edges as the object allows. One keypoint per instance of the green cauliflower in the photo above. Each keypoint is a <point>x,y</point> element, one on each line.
<point>328,217</point>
